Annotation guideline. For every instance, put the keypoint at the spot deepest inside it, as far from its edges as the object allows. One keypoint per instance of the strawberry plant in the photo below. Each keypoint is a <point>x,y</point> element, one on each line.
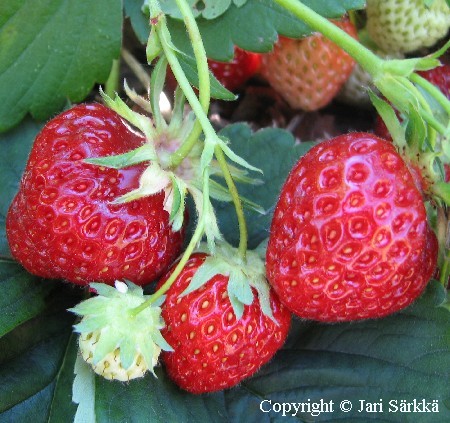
<point>174,251</point>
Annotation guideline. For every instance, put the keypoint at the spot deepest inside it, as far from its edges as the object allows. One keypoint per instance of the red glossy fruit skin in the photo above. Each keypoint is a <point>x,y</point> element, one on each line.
<point>349,238</point>
<point>308,72</point>
<point>213,351</point>
<point>62,224</point>
<point>233,75</point>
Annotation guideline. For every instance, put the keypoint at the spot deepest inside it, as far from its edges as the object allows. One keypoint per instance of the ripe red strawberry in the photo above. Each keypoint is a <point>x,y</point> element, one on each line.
<point>213,350</point>
<point>308,72</point>
<point>349,238</point>
<point>62,223</point>
<point>440,77</point>
<point>233,75</point>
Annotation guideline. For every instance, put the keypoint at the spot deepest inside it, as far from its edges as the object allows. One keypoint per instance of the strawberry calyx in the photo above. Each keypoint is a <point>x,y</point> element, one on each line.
<point>243,275</point>
<point>115,342</point>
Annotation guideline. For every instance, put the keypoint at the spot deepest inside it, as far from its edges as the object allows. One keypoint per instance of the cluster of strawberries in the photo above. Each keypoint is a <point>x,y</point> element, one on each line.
<point>349,238</point>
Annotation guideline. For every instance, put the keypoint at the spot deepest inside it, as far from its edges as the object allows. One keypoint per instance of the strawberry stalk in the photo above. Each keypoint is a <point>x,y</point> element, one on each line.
<point>199,105</point>
<point>112,83</point>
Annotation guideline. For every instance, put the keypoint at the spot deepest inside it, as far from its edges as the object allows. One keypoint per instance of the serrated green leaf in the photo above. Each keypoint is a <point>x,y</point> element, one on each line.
<point>275,152</point>
<point>33,360</point>
<point>251,25</point>
<point>210,9</point>
<point>24,296</point>
<point>15,147</point>
<point>83,392</point>
<point>57,52</point>
<point>402,357</point>
<point>254,26</point>
<point>156,400</point>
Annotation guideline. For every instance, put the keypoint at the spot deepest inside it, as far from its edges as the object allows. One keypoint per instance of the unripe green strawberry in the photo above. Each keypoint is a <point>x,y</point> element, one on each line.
<point>407,25</point>
<point>116,341</point>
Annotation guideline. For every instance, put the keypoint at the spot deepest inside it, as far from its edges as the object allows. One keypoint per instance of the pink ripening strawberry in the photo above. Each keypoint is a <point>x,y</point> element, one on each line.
<point>349,238</point>
<point>63,223</point>
<point>308,72</point>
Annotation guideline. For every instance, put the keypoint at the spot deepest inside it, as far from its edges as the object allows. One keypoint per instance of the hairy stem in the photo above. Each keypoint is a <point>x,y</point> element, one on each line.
<point>243,235</point>
<point>137,68</point>
<point>203,78</point>
<point>112,83</point>
<point>433,91</point>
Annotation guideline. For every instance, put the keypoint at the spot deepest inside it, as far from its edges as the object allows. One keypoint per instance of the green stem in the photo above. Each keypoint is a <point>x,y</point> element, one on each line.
<point>243,235</point>
<point>112,83</point>
<point>366,58</point>
<point>432,90</point>
<point>196,238</point>
<point>179,267</point>
<point>203,77</point>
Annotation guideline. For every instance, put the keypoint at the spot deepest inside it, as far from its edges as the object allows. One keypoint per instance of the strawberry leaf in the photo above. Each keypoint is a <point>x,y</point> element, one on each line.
<point>252,26</point>
<point>36,369</point>
<point>57,52</point>
<point>83,391</point>
<point>404,357</point>
<point>15,146</point>
<point>24,296</point>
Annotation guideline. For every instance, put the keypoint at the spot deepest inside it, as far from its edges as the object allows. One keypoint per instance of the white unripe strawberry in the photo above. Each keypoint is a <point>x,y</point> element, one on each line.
<point>403,26</point>
<point>116,341</point>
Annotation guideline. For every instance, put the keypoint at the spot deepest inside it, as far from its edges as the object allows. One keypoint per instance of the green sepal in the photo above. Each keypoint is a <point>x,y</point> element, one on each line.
<point>207,154</point>
<point>91,323</point>
<point>415,131</point>
<point>206,213</point>
<point>142,154</point>
<point>178,193</point>
<point>189,66</point>
<point>152,181</point>
<point>141,122</point>
<point>127,353</point>
<point>405,67</point>
<point>154,47</point>
<point>211,267</point>
<point>234,157</point>
<point>178,117</point>
<point>243,276</point>
<point>443,49</point>
<point>442,190</point>
<point>141,102</point>
<point>107,343</point>
<point>157,81</point>
<point>104,290</point>
<point>239,292</point>
<point>390,119</point>
<point>116,325</point>
<point>220,193</point>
